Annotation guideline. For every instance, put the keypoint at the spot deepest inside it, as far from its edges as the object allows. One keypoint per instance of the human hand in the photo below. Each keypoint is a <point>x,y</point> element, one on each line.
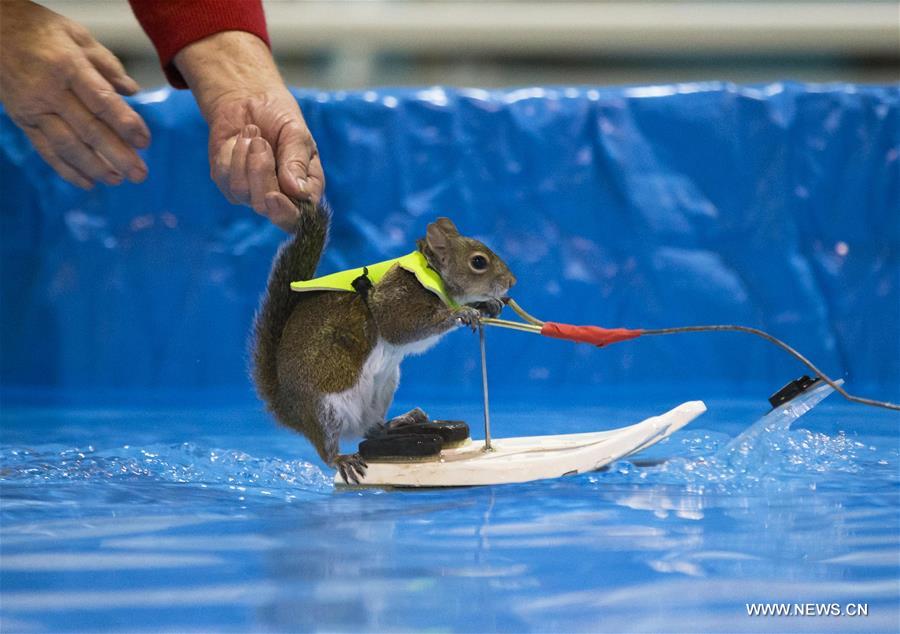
<point>59,86</point>
<point>261,152</point>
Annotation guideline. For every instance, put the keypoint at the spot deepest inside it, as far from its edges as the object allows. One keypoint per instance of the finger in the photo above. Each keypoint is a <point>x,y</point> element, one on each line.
<point>111,68</point>
<point>260,173</point>
<point>315,179</point>
<point>220,169</point>
<point>99,97</point>
<point>238,184</point>
<point>101,138</point>
<point>66,145</point>
<point>70,174</point>
<point>281,211</point>
<point>294,150</point>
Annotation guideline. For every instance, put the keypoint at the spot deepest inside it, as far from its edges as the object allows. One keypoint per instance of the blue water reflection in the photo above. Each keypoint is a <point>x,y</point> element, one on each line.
<point>113,520</point>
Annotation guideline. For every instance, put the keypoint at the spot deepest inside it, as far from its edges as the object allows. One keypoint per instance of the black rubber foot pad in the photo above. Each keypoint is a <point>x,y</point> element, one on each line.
<point>401,446</point>
<point>450,431</point>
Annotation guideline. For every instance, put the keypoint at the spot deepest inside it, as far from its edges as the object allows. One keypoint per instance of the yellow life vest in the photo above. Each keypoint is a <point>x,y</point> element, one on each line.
<point>413,262</point>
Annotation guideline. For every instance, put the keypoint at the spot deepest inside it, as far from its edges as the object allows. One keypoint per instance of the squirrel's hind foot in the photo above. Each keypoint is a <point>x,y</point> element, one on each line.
<point>352,467</point>
<point>413,417</point>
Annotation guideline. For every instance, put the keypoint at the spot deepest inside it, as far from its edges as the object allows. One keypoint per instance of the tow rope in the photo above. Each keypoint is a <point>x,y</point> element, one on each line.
<point>602,337</point>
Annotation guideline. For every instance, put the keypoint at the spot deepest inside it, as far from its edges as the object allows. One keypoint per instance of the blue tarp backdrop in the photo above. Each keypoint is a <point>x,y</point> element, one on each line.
<point>773,206</point>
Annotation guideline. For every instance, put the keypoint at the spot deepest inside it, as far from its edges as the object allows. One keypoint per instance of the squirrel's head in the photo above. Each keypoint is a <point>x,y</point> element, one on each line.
<point>471,272</point>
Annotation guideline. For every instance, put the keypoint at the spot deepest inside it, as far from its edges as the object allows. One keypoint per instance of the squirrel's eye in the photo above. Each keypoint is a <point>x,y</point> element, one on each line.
<point>478,262</point>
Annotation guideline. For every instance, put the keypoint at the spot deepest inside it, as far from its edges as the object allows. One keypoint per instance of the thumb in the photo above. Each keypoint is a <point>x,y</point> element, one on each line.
<point>294,150</point>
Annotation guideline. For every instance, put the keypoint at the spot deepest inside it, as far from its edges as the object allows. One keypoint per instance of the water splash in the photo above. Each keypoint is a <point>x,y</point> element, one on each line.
<point>184,463</point>
<point>767,454</point>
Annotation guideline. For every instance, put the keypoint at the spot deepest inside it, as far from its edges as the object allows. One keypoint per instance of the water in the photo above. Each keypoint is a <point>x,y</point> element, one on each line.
<point>199,520</point>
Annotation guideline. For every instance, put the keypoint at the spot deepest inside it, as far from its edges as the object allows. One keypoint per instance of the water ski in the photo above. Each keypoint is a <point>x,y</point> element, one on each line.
<point>527,458</point>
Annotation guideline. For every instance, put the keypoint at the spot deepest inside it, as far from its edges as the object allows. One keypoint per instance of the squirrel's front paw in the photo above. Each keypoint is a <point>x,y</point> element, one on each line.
<point>490,308</point>
<point>469,316</point>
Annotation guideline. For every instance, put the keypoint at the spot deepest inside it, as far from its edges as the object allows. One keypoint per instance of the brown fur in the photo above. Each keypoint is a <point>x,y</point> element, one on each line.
<point>312,344</point>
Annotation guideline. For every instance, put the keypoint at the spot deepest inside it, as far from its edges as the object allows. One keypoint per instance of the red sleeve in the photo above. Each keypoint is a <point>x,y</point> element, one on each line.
<point>173,24</point>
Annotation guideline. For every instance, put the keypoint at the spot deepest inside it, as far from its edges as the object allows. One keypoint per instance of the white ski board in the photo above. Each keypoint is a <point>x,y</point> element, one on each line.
<point>529,458</point>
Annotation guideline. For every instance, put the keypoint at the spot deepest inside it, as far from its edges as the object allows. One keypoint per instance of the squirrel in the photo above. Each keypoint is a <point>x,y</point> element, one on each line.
<point>327,364</point>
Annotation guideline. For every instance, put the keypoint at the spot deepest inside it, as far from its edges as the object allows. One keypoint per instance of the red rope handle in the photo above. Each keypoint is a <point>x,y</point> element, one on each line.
<point>589,334</point>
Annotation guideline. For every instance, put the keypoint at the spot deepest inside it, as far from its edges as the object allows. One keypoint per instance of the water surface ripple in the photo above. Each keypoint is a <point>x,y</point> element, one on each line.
<point>218,520</point>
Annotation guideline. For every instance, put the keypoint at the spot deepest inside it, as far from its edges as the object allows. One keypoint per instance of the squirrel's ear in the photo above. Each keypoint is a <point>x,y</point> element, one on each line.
<point>437,239</point>
<point>447,225</point>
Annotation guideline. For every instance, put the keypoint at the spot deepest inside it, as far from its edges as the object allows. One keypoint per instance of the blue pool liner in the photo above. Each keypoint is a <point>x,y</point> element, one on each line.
<point>774,206</point>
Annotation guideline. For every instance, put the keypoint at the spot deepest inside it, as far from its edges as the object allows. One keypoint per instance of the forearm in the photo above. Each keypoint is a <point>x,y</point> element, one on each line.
<point>422,314</point>
<point>227,64</point>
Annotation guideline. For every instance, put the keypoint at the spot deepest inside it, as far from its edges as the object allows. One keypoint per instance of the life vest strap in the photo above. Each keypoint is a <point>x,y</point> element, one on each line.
<point>348,280</point>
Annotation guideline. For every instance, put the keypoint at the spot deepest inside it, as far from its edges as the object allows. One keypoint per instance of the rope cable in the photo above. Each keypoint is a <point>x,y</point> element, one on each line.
<point>778,342</point>
<point>534,327</point>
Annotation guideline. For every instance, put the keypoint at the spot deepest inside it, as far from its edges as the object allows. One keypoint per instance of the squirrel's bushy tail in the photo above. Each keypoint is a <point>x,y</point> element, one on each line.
<point>297,259</point>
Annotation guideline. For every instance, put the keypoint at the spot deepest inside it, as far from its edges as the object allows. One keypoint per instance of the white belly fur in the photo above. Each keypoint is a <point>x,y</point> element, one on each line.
<point>366,403</point>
